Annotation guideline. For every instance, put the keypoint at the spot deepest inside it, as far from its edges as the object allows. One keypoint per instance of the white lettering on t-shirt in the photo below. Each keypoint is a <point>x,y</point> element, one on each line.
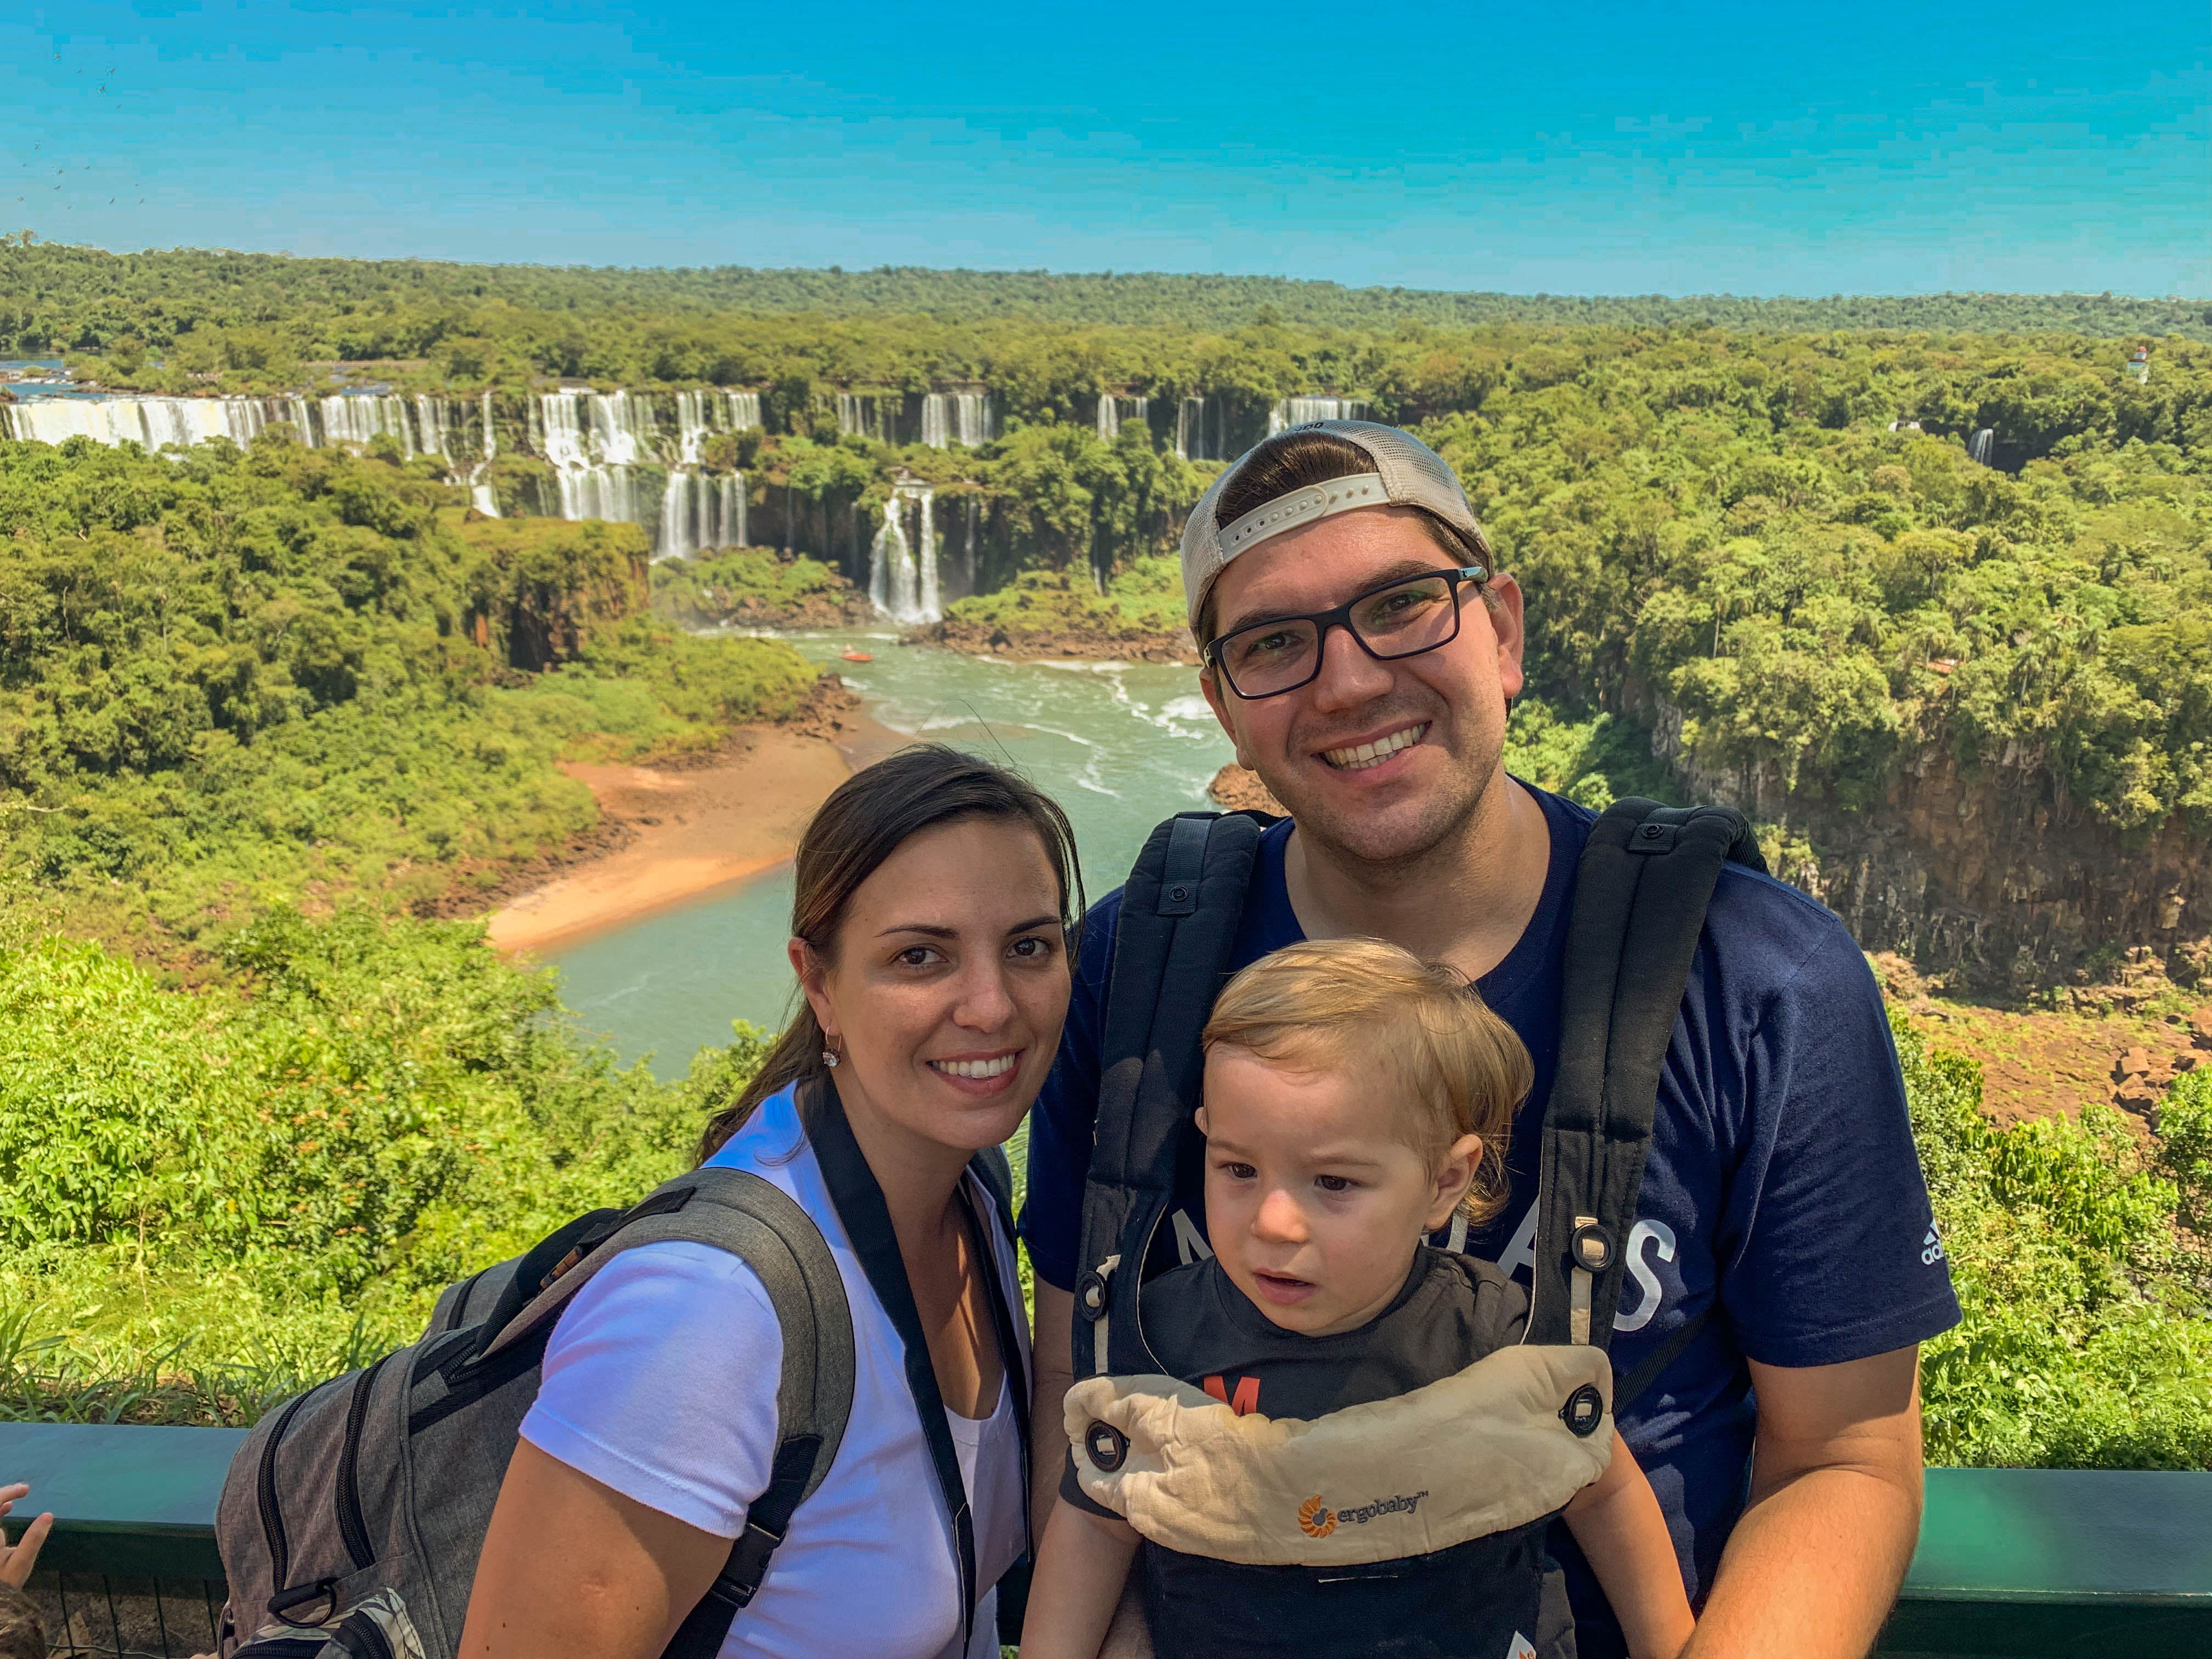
<point>1192,1246</point>
<point>1642,1233</point>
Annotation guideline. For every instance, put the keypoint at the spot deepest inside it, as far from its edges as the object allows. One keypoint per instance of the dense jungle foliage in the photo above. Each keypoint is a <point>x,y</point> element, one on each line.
<point>55,298</point>
<point>209,1197</point>
<point>261,711</point>
<point>235,679</point>
<point>1720,536</point>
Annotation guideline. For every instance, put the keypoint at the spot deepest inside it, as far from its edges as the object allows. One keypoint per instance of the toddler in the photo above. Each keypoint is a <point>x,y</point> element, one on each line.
<point>1356,1101</point>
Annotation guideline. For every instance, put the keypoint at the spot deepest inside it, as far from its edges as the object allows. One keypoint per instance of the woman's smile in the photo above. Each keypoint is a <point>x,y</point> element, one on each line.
<point>980,1074</point>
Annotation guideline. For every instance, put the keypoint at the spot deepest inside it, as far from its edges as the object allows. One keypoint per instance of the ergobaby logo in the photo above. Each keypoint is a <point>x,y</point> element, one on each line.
<point>1931,1249</point>
<point>1317,1520</point>
<point>1523,1648</point>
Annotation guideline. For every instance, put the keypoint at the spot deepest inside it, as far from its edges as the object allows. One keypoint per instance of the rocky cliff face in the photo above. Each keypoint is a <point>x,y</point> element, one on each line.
<point>1998,878</point>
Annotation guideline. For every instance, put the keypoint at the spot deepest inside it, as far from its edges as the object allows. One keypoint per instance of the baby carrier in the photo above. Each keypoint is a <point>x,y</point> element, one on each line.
<point>1488,1455</point>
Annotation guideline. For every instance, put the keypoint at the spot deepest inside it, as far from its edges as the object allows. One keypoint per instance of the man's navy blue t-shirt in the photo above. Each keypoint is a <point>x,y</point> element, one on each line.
<point>1781,1183</point>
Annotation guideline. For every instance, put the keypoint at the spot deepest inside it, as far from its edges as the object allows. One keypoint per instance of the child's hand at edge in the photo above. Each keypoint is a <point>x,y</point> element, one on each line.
<point>17,1563</point>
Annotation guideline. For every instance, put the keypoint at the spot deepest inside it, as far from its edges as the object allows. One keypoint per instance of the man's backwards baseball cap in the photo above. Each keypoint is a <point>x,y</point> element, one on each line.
<point>1406,473</point>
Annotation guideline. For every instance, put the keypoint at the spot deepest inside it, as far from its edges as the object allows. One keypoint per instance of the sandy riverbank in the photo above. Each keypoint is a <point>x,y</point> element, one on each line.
<point>695,829</point>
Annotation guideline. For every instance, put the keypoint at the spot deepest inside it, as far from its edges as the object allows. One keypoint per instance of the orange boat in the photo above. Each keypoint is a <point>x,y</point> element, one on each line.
<point>856,656</point>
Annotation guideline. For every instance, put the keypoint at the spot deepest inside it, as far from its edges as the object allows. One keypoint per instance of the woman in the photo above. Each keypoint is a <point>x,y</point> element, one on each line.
<point>935,896</point>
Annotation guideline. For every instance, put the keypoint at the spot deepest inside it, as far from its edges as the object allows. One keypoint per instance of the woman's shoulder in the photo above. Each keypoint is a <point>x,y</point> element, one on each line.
<point>767,1141</point>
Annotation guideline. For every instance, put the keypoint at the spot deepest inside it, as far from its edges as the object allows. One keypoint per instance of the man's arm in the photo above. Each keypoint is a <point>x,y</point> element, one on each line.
<point>1814,1565</point>
<point>1052,1358</point>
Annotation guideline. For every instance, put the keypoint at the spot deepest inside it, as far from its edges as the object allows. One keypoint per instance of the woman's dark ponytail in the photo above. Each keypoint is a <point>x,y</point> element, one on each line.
<point>867,818</point>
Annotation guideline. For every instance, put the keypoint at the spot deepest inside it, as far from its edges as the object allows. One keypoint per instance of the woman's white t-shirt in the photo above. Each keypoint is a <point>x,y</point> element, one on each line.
<point>660,1379</point>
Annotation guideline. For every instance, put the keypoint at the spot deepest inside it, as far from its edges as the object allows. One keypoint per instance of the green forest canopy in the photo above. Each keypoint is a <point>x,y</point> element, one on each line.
<point>61,297</point>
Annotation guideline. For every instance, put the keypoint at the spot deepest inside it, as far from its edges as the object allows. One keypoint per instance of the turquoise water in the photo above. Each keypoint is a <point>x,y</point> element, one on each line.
<point>1120,745</point>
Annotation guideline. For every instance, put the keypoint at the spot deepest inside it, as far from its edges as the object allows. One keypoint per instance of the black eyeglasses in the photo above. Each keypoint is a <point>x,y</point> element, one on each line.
<point>1401,618</point>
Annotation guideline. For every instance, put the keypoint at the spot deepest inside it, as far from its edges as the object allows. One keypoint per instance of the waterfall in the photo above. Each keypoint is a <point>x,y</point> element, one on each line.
<point>745,410</point>
<point>890,565</point>
<point>1113,411</point>
<point>1979,446</point>
<point>691,427</point>
<point>930,610</point>
<point>860,416</point>
<point>151,421</point>
<point>430,426</point>
<point>956,417</point>
<point>481,495</point>
<point>903,585</point>
<point>593,439</point>
<point>700,511</point>
<point>1297,411</point>
<point>1190,430</point>
<point>678,538</point>
<point>354,418</point>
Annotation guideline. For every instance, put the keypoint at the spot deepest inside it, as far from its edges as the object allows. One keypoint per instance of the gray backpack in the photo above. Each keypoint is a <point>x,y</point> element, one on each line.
<point>352,1518</point>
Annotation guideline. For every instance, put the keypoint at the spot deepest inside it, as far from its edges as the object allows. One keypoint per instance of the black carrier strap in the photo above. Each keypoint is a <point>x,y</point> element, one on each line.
<point>1645,880</point>
<point>859,1203</point>
<point>1180,911</point>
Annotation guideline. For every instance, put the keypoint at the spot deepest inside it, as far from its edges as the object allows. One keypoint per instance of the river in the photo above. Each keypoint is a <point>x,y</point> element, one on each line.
<point>1119,745</point>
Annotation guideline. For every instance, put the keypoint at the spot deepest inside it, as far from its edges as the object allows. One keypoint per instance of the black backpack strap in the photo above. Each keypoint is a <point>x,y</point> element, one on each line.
<point>1642,889</point>
<point>1180,911</point>
<point>753,1219</point>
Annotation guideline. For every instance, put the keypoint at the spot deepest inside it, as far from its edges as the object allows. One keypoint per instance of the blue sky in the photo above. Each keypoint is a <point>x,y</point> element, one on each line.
<point>1691,147</point>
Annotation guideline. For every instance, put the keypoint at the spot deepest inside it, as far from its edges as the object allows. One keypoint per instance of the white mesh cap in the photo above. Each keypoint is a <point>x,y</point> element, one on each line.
<point>1408,473</point>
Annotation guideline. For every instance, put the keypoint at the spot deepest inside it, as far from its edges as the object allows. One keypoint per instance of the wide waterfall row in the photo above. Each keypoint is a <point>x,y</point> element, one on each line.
<point>903,585</point>
<point>423,426</point>
<point>1297,411</point>
<point>938,419</point>
<point>596,442</point>
<point>1113,410</point>
<point>956,417</point>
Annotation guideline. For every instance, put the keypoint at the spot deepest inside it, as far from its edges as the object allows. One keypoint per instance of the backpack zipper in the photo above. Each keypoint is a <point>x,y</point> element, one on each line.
<point>283,1647</point>
<point>361,1637</point>
<point>272,1518</point>
<point>353,1526</point>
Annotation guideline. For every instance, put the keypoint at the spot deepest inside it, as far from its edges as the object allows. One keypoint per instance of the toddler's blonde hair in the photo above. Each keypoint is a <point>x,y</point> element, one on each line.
<point>1331,1004</point>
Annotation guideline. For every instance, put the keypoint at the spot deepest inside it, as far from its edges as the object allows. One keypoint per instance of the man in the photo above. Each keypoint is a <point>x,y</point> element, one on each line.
<point>1362,652</point>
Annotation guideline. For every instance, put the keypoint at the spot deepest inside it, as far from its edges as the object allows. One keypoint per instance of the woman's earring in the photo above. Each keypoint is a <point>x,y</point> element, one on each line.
<point>830,1055</point>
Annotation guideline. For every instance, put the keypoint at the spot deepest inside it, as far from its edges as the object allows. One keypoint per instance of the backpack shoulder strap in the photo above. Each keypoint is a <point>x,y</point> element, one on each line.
<point>1642,889</point>
<point>753,1219</point>
<point>1180,911</point>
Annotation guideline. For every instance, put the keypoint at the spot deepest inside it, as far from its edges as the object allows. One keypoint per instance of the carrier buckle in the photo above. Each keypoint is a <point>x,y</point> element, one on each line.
<point>1591,1246</point>
<point>1583,1412</point>
<point>1106,1446</point>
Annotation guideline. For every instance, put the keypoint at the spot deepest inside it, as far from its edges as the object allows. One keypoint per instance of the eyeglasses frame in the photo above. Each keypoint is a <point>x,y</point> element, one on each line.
<point>1340,616</point>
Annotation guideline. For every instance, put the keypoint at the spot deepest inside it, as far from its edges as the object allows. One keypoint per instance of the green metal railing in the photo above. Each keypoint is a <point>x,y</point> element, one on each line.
<point>2013,1563</point>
